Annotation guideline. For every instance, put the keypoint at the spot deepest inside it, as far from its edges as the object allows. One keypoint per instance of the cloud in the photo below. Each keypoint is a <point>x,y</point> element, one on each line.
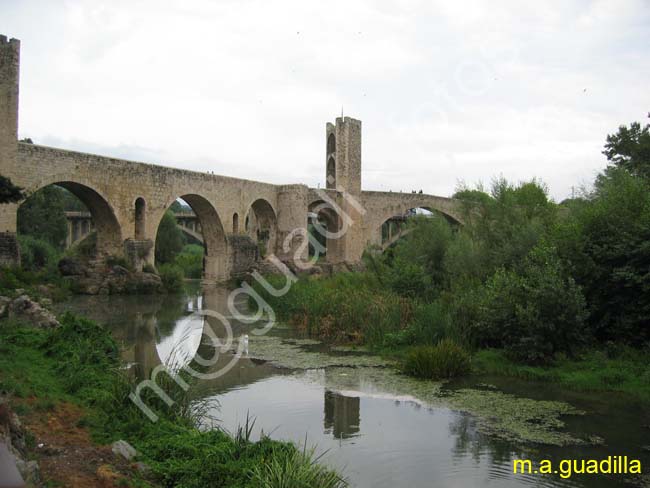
<point>447,91</point>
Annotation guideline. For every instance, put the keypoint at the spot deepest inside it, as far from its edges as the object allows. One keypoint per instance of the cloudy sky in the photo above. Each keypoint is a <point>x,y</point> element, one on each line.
<point>447,90</point>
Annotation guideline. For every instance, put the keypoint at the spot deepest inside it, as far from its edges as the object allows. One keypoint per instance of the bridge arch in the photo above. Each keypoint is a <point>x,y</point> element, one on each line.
<point>391,224</point>
<point>107,226</point>
<point>325,227</point>
<point>262,224</point>
<point>215,267</point>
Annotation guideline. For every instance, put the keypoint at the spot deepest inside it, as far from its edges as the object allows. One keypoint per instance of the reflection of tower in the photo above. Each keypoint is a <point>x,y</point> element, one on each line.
<point>342,415</point>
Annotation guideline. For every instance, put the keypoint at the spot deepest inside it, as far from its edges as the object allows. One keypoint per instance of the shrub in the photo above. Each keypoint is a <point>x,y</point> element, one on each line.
<point>442,361</point>
<point>190,260</point>
<point>534,313</point>
<point>36,253</point>
<point>171,276</point>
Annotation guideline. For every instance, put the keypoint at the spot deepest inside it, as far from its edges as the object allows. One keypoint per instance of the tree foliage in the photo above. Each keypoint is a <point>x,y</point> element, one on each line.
<point>629,149</point>
<point>169,239</point>
<point>9,193</point>
<point>42,216</point>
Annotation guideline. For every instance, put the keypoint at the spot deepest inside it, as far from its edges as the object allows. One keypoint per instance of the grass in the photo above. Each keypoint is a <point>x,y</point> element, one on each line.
<point>296,470</point>
<point>624,370</point>
<point>346,308</point>
<point>445,360</point>
<point>79,363</point>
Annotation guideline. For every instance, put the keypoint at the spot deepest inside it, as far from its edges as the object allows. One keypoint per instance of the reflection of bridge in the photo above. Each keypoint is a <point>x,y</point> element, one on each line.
<point>127,199</point>
<point>80,224</point>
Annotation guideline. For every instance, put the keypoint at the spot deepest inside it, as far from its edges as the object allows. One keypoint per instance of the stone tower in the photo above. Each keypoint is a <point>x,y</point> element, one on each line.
<point>343,155</point>
<point>9,68</point>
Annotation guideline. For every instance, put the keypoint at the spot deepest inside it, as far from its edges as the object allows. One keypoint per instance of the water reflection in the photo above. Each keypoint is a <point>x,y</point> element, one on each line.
<point>379,437</point>
<point>342,416</point>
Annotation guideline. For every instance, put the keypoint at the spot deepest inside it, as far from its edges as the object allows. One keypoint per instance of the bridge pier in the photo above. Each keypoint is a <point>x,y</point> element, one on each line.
<point>291,238</point>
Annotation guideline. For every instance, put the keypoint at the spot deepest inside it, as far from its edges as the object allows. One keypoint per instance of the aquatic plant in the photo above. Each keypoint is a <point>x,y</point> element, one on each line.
<point>442,361</point>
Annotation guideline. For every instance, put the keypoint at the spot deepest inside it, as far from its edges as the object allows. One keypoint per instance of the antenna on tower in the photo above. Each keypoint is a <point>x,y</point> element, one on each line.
<point>341,111</point>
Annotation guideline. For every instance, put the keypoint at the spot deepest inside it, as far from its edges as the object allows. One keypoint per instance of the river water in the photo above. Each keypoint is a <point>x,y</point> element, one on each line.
<point>378,428</point>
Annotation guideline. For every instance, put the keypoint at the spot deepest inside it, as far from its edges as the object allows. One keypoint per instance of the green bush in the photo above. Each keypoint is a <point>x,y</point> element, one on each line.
<point>169,239</point>
<point>534,313</point>
<point>605,245</point>
<point>442,361</point>
<point>171,276</point>
<point>36,254</point>
<point>190,260</point>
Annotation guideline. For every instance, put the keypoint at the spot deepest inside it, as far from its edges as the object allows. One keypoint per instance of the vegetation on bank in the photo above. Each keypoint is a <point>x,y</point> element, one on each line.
<point>79,363</point>
<point>548,286</point>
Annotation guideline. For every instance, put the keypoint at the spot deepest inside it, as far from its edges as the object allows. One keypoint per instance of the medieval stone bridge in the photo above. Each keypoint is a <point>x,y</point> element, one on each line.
<point>127,199</point>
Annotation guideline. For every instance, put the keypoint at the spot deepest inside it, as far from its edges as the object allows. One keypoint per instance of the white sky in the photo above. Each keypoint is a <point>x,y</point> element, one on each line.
<point>448,91</point>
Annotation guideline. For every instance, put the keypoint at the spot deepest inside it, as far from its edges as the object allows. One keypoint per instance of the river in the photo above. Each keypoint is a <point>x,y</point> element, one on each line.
<point>378,428</point>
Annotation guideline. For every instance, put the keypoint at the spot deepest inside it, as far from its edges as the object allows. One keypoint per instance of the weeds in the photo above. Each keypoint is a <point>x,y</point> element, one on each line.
<point>443,361</point>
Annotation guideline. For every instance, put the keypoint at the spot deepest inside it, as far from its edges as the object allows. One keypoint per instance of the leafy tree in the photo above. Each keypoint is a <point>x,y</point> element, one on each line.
<point>9,193</point>
<point>42,216</point>
<point>629,149</point>
<point>533,313</point>
<point>606,246</point>
<point>169,239</point>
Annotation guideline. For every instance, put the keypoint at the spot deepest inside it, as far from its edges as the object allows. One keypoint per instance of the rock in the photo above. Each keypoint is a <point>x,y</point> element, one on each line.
<point>147,282</point>
<point>4,306</point>
<point>46,290</point>
<point>45,302</point>
<point>29,470</point>
<point>124,449</point>
<point>71,267</point>
<point>20,291</point>
<point>120,270</point>
<point>25,309</point>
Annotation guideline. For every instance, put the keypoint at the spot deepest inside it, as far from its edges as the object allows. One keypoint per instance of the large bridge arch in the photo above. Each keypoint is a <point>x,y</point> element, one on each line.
<point>216,258</point>
<point>107,226</point>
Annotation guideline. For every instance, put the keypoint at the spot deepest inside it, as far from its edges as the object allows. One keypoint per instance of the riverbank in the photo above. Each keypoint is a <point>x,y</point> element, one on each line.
<point>355,311</point>
<point>70,390</point>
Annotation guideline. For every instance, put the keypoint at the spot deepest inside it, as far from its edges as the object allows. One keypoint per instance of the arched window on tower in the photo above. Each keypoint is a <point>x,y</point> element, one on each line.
<point>331,144</point>
<point>331,173</point>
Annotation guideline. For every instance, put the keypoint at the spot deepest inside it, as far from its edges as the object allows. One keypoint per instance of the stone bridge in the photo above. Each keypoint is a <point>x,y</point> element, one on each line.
<point>80,224</point>
<point>127,199</point>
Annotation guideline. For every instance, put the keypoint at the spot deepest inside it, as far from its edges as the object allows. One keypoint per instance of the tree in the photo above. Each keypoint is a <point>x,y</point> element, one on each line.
<point>169,240</point>
<point>629,149</point>
<point>9,193</point>
<point>42,216</point>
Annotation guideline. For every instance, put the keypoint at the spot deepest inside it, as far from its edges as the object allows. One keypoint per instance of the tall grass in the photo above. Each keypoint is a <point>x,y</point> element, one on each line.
<point>347,307</point>
<point>442,361</point>
<point>297,469</point>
